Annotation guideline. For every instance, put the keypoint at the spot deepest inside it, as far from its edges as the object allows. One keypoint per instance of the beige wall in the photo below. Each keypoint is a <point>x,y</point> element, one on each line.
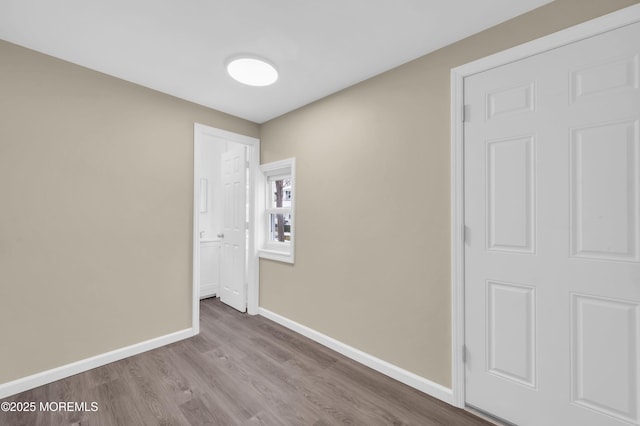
<point>96,184</point>
<point>372,209</point>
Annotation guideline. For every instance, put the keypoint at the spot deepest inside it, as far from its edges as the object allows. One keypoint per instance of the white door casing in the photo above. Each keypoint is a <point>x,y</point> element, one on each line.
<point>552,224</point>
<point>205,134</point>
<point>234,224</point>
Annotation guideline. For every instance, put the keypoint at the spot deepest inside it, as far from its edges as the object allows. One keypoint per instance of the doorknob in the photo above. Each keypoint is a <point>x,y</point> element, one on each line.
<point>220,235</point>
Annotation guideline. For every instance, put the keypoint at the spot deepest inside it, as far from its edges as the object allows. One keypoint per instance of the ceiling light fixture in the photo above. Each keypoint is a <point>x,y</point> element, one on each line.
<point>252,71</point>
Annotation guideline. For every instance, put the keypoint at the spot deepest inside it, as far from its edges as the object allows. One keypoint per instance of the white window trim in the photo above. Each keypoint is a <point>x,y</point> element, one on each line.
<point>272,250</point>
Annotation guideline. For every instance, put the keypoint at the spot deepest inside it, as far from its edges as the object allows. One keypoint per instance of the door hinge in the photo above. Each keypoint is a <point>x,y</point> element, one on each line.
<point>466,113</point>
<point>464,354</point>
<point>464,234</point>
<point>246,164</point>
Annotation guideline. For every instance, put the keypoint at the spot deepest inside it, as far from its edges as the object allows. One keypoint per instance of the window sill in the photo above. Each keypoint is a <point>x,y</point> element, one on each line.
<point>280,256</point>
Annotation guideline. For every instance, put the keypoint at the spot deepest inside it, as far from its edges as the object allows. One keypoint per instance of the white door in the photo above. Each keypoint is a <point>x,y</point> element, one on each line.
<point>234,220</point>
<point>552,215</point>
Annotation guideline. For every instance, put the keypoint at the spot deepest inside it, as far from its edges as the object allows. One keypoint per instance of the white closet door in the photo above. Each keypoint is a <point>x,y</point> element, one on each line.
<point>552,272</point>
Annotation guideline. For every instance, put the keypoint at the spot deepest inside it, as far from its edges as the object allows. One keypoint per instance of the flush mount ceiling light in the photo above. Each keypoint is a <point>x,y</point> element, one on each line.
<point>252,71</point>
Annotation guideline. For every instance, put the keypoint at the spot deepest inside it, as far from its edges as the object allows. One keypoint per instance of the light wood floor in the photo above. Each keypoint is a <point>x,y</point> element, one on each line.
<point>241,370</point>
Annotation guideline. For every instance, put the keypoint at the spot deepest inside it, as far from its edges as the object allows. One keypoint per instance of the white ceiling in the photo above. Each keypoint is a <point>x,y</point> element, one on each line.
<point>181,47</point>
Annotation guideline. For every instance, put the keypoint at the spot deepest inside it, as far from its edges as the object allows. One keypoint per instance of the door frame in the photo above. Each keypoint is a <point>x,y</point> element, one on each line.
<point>605,23</point>
<point>200,131</point>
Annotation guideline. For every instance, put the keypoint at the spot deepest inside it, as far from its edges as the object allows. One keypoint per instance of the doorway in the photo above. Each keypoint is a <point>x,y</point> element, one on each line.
<point>225,263</point>
<point>546,260</point>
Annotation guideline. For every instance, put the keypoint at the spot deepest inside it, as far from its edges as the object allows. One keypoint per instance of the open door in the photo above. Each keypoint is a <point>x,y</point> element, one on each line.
<point>233,290</point>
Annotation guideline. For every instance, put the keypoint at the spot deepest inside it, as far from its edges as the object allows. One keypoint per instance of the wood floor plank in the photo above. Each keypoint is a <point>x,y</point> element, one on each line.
<point>240,370</point>
<point>196,413</point>
<point>264,418</point>
<point>175,385</point>
<point>230,395</point>
<point>281,390</point>
<point>297,344</point>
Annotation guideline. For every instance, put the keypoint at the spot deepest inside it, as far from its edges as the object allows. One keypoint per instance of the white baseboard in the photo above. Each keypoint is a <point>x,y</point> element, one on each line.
<point>408,378</point>
<point>39,379</point>
<point>411,379</point>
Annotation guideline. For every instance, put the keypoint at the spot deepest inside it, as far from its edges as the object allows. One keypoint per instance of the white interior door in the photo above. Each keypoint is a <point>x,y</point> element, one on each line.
<point>552,216</point>
<point>232,263</point>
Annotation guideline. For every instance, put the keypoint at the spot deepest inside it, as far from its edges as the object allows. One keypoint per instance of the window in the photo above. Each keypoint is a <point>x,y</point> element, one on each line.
<point>279,210</point>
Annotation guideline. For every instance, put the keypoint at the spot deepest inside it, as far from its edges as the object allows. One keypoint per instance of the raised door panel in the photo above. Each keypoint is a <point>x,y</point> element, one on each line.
<point>505,102</point>
<point>605,356</point>
<point>604,186</point>
<point>607,77</point>
<point>510,190</point>
<point>511,332</point>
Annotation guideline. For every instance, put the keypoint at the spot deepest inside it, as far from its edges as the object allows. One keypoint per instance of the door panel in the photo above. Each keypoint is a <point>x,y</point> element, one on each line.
<point>604,190</point>
<point>511,345</point>
<point>510,194</point>
<point>552,262</point>
<point>611,391</point>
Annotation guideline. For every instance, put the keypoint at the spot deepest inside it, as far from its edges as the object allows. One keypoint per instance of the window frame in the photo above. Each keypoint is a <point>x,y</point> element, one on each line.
<point>269,249</point>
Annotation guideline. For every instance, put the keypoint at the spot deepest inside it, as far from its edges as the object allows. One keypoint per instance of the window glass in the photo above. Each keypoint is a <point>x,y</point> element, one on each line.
<point>280,227</point>
<point>280,192</point>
